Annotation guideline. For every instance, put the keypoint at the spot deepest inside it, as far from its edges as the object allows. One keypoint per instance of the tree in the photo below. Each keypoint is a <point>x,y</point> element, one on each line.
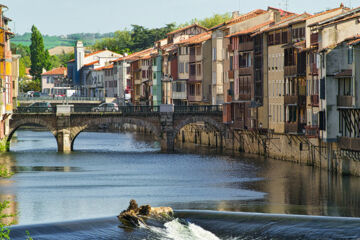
<point>37,53</point>
<point>48,63</point>
<point>30,85</point>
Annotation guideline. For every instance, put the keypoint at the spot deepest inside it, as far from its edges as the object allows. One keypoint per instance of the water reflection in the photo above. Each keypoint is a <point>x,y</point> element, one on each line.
<point>108,169</point>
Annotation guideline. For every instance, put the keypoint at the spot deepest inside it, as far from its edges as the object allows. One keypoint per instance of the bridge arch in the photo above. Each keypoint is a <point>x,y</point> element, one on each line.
<point>28,121</point>
<point>83,125</point>
<point>208,120</point>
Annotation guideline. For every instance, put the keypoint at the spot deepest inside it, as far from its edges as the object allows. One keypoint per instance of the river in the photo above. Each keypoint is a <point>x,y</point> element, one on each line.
<point>215,195</point>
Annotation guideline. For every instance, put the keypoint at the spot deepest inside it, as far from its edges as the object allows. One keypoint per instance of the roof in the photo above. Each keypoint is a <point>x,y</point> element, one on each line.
<point>91,54</point>
<point>135,56</point>
<point>344,73</point>
<point>325,12</point>
<point>56,71</point>
<point>285,22</point>
<point>337,18</point>
<point>105,67</point>
<point>196,39</point>
<point>240,18</point>
<point>251,30</point>
<point>353,40</point>
<point>187,27</point>
<point>91,63</point>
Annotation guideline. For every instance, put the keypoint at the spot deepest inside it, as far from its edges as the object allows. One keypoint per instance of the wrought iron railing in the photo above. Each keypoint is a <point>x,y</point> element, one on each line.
<point>124,109</point>
<point>33,109</point>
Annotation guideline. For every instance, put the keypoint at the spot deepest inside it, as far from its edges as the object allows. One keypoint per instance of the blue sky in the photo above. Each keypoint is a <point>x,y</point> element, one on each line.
<point>57,17</point>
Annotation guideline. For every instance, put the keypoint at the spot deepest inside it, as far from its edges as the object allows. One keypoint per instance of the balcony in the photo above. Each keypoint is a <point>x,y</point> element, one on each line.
<point>291,127</point>
<point>231,74</point>
<point>290,99</point>
<point>312,131</point>
<point>245,97</point>
<point>290,70</point>
<point>246,46</point>
<point>246,71</point>
<point>344,101</point>
<point>314,100</point>
<point>195,98</point>
<point>348,143</point>
<point>314,69</point>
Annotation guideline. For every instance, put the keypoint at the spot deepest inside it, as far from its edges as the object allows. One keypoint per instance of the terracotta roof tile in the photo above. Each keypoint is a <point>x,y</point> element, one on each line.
<point>241,18</point>
<point>196,39</point>
<point>105,67</point>
<point>56,71</point>
<point>91,63</point>
<point>91,54</point>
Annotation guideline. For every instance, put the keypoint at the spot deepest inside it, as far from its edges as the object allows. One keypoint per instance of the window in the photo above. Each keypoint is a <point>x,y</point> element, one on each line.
<point>350,55</point>
<point>186,67</point>
<point>284,37</point>
<point>198,50</point>
<point>277,38</point>
<point>198,69</point>
<point>214,54</point>
<point>181,67</point>
<point>231,62</point>
<point>198,89</point>
<point>245,59</point>
<point>192,69</point>
<point>192,89</point>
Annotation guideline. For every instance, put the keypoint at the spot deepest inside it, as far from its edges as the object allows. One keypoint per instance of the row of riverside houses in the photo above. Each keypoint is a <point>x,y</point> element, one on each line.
<point>9,71</point>
<point>269,69</point>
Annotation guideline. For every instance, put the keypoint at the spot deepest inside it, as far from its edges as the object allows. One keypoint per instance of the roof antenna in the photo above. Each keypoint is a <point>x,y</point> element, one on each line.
<point>286,5</point>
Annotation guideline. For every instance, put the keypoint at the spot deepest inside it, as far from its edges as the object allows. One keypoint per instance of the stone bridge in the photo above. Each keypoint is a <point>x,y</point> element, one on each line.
<point>163,125</point>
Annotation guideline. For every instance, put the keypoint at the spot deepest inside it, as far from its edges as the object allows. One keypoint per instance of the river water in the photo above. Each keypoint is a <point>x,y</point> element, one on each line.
<point>215,195</point>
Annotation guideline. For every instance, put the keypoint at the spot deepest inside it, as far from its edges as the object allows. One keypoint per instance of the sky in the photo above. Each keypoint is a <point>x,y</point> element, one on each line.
<point>60,17</point>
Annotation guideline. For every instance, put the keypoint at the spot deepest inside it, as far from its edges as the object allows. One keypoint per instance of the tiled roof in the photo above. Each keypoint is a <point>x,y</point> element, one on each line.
<point>353,13</point>
<point>353,40</point>
<point>187,27</point>
<point>92,63</point>
<point>91,54</point>
<point>105,67</point>
<point>241,18</point>
<point>285,22</point>
<point>135,55</point>
<point>325,12</point>
<point>196,39</point>
<point>56,71</point>
<point>250,30</point>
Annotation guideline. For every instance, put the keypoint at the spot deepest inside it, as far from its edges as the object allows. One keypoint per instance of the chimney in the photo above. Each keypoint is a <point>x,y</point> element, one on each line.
<point>235,14</point>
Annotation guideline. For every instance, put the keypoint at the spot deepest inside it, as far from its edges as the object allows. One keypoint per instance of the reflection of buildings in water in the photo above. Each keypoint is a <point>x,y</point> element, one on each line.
<point>8,163</point>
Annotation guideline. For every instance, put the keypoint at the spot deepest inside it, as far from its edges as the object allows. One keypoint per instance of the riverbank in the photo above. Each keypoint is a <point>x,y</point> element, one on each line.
<point>287,147</point>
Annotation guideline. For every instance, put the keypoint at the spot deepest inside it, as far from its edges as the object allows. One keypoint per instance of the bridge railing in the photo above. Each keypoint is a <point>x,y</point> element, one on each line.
<point>199,109</point>
<point>35,109</point>
<point>120,109</point>
<point>50,98</point>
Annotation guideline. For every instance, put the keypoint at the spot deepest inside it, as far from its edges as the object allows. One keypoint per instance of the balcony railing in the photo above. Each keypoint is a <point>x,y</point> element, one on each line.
<point>344,101</point>
<point>291,127</point>
<point>246,70</point>
<point>194,98</point>
<point>290,70</point>
<point>246,46</point>
<point>315,100</point>
<point>312,131</point>
<point>290,99</point>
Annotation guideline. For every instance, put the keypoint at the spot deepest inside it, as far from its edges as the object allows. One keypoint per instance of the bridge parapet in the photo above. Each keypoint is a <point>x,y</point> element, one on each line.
<point>67,122</point>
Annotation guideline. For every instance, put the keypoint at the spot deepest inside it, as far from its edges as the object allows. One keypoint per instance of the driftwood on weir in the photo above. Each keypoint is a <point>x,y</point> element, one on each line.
<point>134,216</point>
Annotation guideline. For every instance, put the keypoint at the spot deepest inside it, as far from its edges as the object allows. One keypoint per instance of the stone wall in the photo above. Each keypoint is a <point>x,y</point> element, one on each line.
<point>294,148</point>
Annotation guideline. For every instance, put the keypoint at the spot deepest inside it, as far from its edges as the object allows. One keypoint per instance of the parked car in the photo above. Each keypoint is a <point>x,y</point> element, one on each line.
<point>39,107</point>
<point>29,93</point>
<point>36,94</point>
<point>106,107</point>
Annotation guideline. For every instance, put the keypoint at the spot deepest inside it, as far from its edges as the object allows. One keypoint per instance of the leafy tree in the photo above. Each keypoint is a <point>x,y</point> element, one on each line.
<point>37,53</point>
<point>209,22</point>
<point>48,63</point>
<point>30,85</point>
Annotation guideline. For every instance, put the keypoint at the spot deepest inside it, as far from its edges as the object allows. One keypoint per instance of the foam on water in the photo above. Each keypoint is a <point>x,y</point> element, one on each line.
<point>180,230</point>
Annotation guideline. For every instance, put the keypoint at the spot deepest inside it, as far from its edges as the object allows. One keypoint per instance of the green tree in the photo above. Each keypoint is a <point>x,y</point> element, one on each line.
<point>209,22</point>
<point>30,85</point>
<point>48,63</point>
<point>37,53</point>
